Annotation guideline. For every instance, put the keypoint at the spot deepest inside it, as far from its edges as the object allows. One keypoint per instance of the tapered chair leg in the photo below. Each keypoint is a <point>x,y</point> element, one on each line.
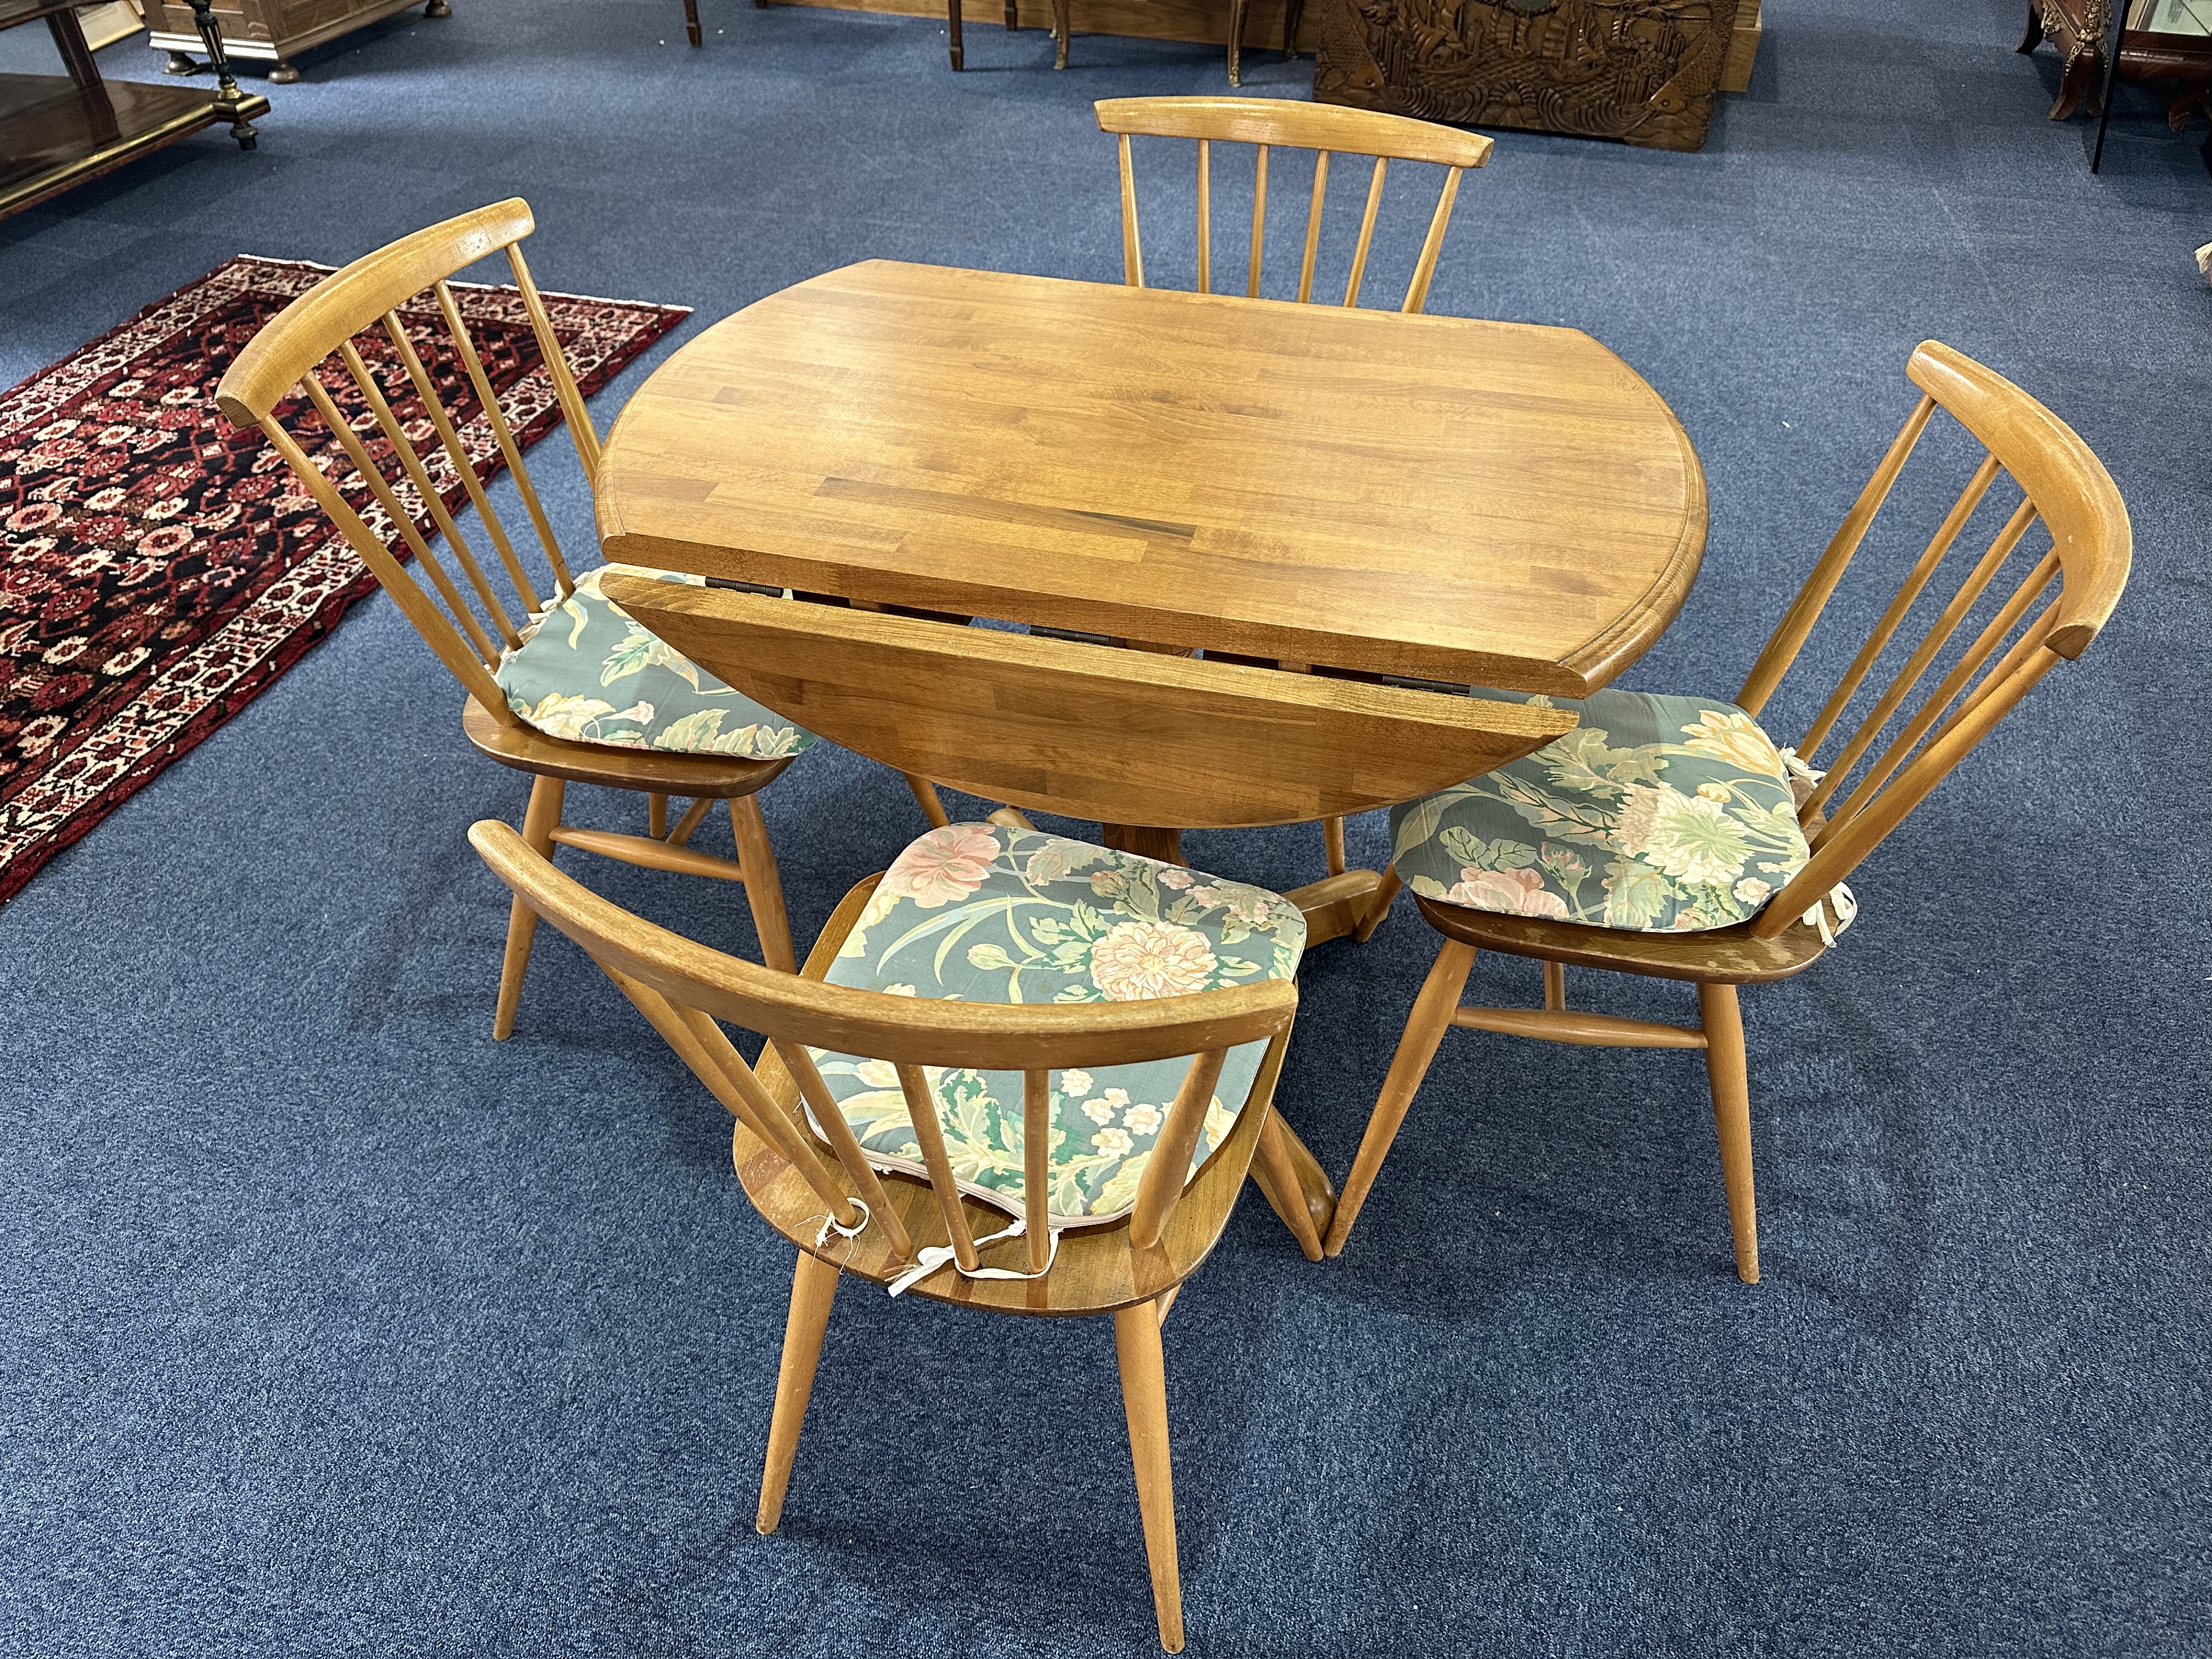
<point>539,820</point>
<point>656,817</point>
<point>952,27</point>
<point>1236,79</point>
<point>813,1287</point>
<point>1425,1028</point>
<point>1144,1396</point>
<point>691,19</point>
<point>763,886</point>
<point>1059,32</point>
<point>1725,1068</point>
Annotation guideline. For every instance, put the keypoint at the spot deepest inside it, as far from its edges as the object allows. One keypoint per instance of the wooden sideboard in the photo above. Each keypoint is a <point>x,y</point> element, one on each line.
<point>1643,70</point>
<point>270,30</point>
<point>59,130</point>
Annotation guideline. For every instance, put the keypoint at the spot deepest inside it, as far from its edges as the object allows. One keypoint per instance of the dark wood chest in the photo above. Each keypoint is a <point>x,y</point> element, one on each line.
<point>1643,70</point>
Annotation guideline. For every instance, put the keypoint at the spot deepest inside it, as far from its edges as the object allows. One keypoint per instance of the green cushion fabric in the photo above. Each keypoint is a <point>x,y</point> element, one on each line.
<point>980,914</point>
<point>586,672</point>
<point>1656,814</point>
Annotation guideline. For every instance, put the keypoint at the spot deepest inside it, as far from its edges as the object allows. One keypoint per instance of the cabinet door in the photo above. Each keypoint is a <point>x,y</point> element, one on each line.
<point>239,19</point>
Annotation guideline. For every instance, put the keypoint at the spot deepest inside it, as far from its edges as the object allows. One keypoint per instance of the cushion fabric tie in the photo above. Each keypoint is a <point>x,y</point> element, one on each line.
<point>1846,906</point>
<point>928,1260</point>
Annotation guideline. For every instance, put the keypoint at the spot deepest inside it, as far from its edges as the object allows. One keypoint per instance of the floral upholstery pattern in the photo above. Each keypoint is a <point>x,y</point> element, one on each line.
<point>986,914</point>
<point>578,658</point>
<point>1656,814</point>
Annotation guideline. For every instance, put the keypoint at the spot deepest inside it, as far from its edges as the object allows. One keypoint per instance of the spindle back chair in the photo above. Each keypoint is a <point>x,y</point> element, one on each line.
<point>411,433</point>
<point>2051,614</point>
<point>1326,130</point>
<point>809,1178</point>
<point>1279,124</point>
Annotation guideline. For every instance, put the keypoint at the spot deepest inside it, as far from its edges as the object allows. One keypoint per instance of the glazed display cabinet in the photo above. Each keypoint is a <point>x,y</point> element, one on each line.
<point>271,30</point>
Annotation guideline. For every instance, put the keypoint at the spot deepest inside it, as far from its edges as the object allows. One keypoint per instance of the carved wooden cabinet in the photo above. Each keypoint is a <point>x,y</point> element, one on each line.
<point>270,30</point>
<point>1643,70</point>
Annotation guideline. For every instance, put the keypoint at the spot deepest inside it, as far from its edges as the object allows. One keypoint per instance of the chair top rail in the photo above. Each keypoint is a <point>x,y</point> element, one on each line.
<point>347,302</point>
<point>903,1030</point>
<point>2073,493</point>
<point>1295,124</point>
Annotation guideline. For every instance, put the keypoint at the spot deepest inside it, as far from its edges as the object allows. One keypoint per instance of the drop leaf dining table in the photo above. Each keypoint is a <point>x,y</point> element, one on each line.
<point>1391,507</point>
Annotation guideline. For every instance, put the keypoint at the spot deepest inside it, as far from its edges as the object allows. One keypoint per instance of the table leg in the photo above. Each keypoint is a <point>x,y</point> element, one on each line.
<point>1165,845</point>
<point>1336,905</point>
<point>1296,1189</point>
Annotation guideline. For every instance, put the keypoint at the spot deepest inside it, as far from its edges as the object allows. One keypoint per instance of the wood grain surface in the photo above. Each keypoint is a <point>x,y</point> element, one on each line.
<point>1448,499</point>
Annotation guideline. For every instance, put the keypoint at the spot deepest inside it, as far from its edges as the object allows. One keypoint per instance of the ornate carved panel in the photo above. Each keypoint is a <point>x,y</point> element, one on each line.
<point>1644,70</point>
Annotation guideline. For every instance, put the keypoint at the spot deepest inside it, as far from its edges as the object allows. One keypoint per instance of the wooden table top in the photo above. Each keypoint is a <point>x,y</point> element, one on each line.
<point>1494,503</point>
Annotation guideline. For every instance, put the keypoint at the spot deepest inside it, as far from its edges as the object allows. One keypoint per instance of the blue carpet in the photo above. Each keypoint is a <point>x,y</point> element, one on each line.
<point>328,1326</point>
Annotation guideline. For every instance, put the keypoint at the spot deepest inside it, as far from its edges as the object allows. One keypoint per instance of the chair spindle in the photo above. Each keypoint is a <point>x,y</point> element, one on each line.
<point>1037,1161</point>
<point>922,1109</point>
<point>386,497</point>
<point>1132,253</point>
<point>1259,218</point>
<point>1432,245</point>
<point>1366,232</point>
<point>1908,593</point>
<point>1205,217</point>
<point>1915,665</point>
<point>815,1092</point>
<point>450,309</point>
<point>1169,1163</point>
<point>1313,226</point>
<point>458,457</point>
<point>574,414</point>
<point>1797,621</point>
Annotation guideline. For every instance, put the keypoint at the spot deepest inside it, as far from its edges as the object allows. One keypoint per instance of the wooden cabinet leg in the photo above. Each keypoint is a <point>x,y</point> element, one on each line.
<point>1145,1398</point>
<point>813,1287</point>
<point>1726,1068</point>
<point>227,97</point>
<point>952,27</point>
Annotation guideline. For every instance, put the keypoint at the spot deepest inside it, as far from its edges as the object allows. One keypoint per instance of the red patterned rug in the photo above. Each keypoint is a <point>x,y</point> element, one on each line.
<point>159,567</point>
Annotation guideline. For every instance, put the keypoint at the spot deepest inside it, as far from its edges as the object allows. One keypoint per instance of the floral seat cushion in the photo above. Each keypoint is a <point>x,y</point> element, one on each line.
<point>587,673</point>
<point>980,914</point>
<point>1656,814</point>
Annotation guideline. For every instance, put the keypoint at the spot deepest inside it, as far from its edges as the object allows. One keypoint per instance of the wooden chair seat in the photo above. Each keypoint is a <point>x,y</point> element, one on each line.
<point>1656,814</point>
<point>585,669</point>
<point>1095,1272</point>
<point>655,771</point>
<point>980,914</point>
<point>1733,956</point>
